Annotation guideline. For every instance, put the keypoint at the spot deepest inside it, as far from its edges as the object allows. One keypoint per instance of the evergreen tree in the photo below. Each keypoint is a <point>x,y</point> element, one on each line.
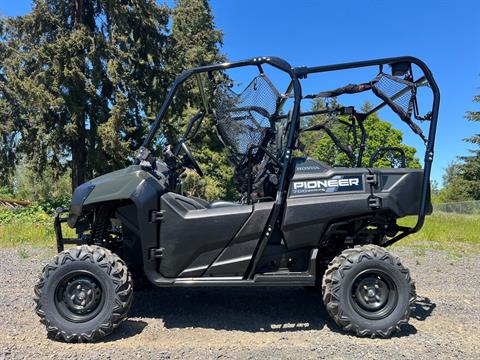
<point>454,186</point>
<point>82,79</point>
<point>470,168</point>
<point>7,133</point>
<point>195,41</point>
<point>461,180</point>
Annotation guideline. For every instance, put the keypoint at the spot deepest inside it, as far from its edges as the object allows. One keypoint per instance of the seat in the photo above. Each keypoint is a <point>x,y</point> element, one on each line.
<point>222,203</point>
<point>213,205</point>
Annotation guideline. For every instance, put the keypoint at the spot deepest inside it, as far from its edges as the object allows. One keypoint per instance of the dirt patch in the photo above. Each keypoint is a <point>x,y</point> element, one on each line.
<point>267,323</point>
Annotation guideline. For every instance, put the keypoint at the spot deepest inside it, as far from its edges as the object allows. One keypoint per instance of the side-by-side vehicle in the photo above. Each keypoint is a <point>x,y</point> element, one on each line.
<point>297,221</point>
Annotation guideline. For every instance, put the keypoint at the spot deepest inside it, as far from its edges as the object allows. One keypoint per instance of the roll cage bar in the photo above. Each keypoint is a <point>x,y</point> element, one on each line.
<point>296,74</point>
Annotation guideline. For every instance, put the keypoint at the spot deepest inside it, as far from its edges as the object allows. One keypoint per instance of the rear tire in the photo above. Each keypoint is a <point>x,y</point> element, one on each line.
<point>83,294</point>
<point>367,291</point>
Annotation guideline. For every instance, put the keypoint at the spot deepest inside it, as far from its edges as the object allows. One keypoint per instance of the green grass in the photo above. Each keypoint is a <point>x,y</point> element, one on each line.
<point>458,234</point>
<point>27,227</point>
<point>23,253</point>
<point>17,234</point>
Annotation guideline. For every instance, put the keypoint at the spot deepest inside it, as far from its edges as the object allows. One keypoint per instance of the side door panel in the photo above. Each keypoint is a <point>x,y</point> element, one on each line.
<point>193,235</point>
<point>233,261</point>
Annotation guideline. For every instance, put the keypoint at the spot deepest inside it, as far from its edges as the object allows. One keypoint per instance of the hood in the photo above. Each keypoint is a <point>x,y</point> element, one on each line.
<point>116,185</point>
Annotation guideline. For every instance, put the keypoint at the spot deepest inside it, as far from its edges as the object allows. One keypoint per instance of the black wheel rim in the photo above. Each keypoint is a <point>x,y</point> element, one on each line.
<point>79,296</point>
<point>374,294</point>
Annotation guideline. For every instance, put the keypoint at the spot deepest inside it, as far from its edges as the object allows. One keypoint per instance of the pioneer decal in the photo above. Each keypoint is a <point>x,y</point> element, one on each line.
<point>318,186</point>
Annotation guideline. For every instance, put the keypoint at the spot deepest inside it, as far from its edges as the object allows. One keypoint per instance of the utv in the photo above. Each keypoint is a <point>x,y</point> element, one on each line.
<point>296,222</point>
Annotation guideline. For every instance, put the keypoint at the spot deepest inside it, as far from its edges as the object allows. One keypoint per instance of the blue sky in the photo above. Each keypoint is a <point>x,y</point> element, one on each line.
<point>445,34</point>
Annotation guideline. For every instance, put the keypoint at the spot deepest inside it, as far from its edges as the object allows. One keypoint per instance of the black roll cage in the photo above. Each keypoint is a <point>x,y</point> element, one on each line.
<point>296,74</point>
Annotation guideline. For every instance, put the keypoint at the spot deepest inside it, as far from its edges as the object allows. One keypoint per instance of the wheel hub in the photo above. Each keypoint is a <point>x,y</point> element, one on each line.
<point>82,295</point>
<point>374,294</point>
<point>78,297</point>
<point>371,293</point>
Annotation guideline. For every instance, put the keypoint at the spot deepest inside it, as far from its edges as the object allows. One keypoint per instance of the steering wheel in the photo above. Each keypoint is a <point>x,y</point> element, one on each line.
<point>191,160</point>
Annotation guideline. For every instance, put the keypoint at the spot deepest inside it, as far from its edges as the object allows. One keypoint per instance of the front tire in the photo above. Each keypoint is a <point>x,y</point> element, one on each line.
<point>83,294</point>
<point>367,291</point>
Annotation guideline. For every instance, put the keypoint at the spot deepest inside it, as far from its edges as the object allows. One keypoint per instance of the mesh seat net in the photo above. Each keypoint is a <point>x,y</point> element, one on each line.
<point>244,119</point>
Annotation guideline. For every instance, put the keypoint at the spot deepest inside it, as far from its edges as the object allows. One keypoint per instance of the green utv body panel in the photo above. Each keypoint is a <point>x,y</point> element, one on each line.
<point>116,185</point>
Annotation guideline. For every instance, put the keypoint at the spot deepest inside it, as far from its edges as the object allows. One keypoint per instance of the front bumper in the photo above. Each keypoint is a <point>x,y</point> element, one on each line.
<point>57,226</point>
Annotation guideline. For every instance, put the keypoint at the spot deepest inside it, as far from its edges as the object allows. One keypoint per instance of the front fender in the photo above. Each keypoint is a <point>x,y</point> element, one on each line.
<point>117,185</point>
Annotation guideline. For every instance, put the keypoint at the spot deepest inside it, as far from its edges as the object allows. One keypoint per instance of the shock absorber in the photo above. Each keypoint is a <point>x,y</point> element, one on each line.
<point>101,225</point>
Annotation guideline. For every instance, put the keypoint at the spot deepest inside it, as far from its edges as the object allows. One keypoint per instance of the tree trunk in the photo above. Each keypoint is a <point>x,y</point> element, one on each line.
<point>79,12</point>
<point>79,162</point>
<point>78,143</point>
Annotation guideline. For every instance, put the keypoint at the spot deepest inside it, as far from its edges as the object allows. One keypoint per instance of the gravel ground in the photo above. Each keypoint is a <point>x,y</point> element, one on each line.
<point>267,323</point>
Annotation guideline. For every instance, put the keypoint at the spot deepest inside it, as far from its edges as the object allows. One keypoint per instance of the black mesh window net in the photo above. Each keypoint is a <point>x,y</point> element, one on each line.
<point>398,91</point>
<point>399,94</point>
<point>243,119</point>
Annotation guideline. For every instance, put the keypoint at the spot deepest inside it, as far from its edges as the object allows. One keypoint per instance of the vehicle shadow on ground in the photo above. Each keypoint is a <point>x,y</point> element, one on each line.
<point>423,308</point>
<point>242,309</point>
<point>238,308</point>
<point>128,329</point>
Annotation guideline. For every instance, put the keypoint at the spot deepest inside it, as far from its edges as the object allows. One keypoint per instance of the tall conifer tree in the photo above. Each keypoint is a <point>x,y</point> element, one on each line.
<point>470,168</point>
<point>82,80</point>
